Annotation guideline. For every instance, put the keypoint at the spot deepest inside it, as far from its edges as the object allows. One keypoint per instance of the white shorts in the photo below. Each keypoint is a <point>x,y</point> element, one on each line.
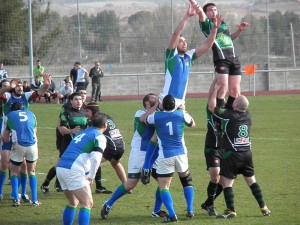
<point>71,180</point>
<point>173,164</point>
<point>178,102</point>
<point>136,161</point>
<point>19,152</point>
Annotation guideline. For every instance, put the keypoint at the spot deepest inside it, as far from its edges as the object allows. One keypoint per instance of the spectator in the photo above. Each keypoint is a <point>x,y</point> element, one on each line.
<point>73,74</point>
<point>96,74</point>
<point>35,86</point>
<point>68,79</point>
<point>39,70</point>
<point>3,72</point>
<point>64,92</point>
<point>51,93</point>
<point>26,87</point>
<point>82,79</point>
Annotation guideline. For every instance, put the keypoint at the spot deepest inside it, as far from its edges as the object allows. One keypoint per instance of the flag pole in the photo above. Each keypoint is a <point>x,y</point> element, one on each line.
<point>254,84</point>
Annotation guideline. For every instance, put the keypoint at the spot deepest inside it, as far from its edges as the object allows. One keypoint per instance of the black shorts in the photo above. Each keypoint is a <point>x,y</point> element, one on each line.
<point>110,154</point>
<point>213,157</point>
<point>234,163</point>
<point>231,66</point>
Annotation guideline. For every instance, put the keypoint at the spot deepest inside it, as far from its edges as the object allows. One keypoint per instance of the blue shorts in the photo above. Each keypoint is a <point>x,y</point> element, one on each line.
<point>6,145</point>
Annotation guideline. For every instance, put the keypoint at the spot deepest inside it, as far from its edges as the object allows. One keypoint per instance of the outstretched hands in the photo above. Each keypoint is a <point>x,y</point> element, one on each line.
<point>242,26</point>
<point>218,20</point>
<point>195,6</point>
<point>191,11</point>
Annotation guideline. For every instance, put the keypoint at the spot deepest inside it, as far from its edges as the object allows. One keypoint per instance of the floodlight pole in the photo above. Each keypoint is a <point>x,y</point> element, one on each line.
<point>293,44</point>
<point>268,43</point>
<point>79,42</point>
<point>30,41</point>
<point>172,16</point>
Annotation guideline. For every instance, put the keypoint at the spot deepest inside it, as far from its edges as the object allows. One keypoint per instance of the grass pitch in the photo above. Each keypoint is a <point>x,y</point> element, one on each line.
<point>276,143</point>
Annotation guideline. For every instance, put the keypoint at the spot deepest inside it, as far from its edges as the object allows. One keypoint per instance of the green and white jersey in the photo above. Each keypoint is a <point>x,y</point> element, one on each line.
<point>223,46</point>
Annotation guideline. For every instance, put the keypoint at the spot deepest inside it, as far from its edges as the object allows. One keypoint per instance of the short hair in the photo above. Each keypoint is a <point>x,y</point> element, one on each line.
<point>16,106</point>
<point>74,94</point>
<point>81,88</point>
<point>99,120</point>
<point>3,81</point>
<point>94,107</point>
<point>208,5</point>
<point>168,103</point>
<point>146,98</point>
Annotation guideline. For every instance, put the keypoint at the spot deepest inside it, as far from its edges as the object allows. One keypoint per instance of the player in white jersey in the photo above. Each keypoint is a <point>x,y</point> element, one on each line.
<point>169,125</point>
<point>139,143</point>
<point>77,168</point>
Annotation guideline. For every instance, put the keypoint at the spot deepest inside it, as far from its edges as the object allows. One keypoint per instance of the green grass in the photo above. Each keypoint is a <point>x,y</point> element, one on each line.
<point>276,142</point>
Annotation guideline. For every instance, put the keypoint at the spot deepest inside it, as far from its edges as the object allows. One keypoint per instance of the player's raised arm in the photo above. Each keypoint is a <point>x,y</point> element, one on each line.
<point>241,27</point>
<point>201,14</point>
<point>178,30</point>
<point>211,37</point>
<point>45,86</point>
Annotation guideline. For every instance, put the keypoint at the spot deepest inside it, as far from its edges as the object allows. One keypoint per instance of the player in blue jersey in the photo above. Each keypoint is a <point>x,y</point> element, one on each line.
<point>14,93</point>
<point>178,61</point>
<point>21,126</point>
<point>169,125</point>
<point>141,137</point>
<point>77,168</point>
<point>237,156</point>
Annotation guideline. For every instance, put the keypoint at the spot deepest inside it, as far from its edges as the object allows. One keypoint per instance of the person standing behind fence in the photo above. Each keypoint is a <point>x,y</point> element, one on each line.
<point>82,76</point>
<point>39,70</point>
<point>96,74</point>
<point>3,72</point>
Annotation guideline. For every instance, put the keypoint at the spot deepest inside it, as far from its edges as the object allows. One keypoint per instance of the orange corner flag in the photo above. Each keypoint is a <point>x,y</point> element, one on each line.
<point>249,69</point>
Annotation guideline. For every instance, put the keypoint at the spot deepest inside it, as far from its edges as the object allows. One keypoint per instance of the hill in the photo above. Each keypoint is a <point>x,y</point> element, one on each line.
<point>125,8</point>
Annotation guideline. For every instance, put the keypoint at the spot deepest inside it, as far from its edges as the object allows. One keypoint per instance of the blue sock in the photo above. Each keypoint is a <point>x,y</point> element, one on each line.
<point>14,187</point>
<point>2,180</point>
<point>69,215</point>
<point>158,201</point>
<point>24,178</point>
<point>151,155</point>
<point>168,201</point>
<point>33,187</point>
<point>118,193</point>
<point>84,216</point>
<point>189,197</point>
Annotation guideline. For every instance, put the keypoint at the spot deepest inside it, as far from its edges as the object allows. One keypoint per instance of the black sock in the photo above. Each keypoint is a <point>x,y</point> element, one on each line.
<point>219,190</point>
<point>51,174</point>
<point>211,193</point>
<point>229,102</point>
<point>256,191</point>
<point>220,102</point>
<point>229,198</point>
<point>98,178</point>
